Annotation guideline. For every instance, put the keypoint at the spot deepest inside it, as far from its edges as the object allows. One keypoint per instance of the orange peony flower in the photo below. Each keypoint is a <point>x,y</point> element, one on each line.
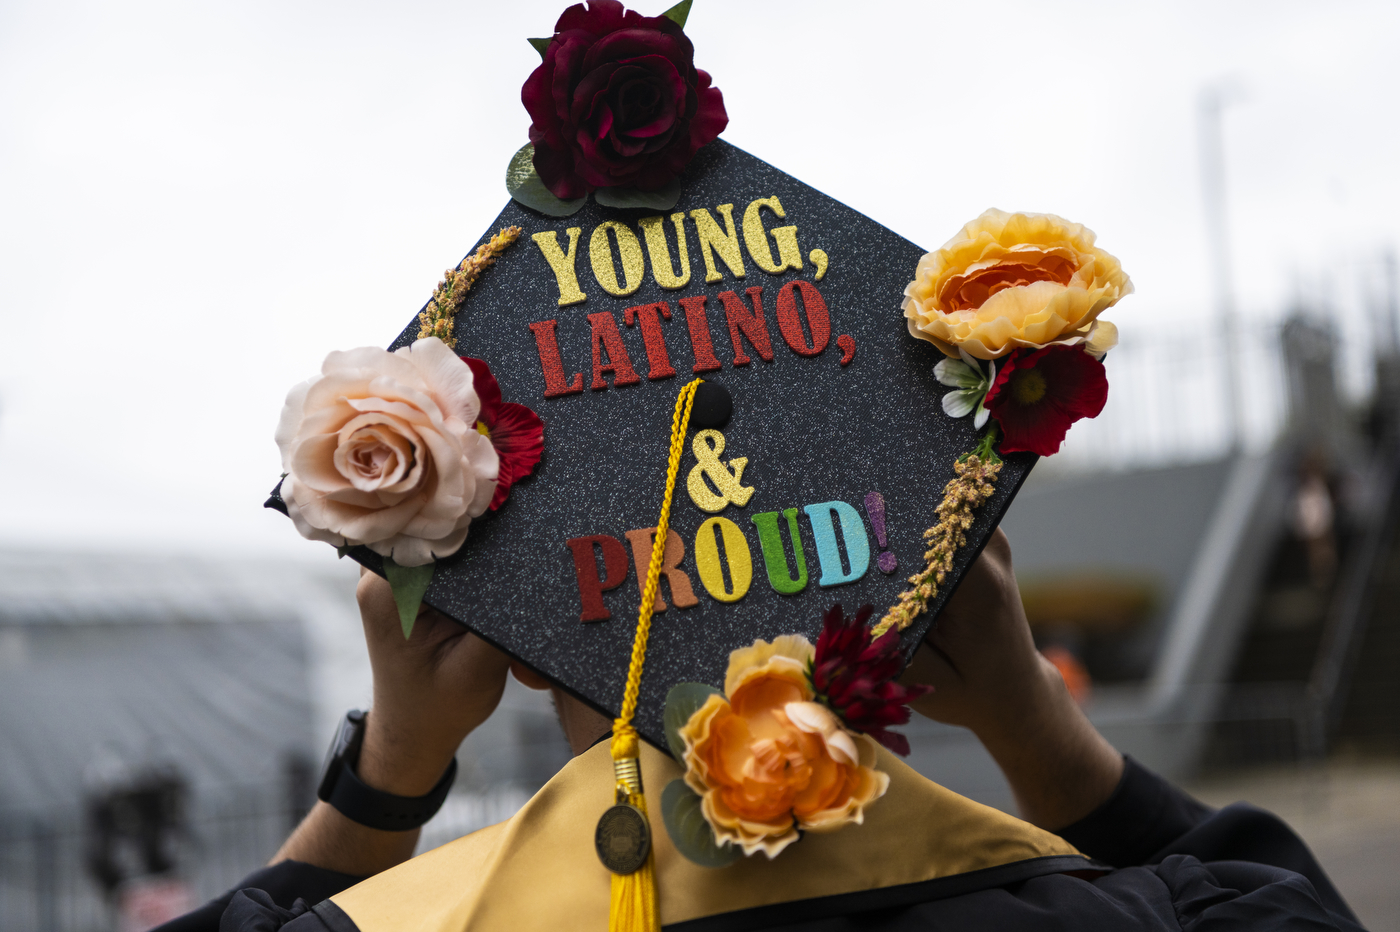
<point>768,761</point>
<point>1010,281</point>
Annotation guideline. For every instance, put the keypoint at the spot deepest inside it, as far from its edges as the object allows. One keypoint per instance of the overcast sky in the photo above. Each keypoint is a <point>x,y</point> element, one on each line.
<point>199,200</point>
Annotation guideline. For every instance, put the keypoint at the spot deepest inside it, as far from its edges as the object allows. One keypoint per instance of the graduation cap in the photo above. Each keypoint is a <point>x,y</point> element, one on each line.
<point>817,456</point>
<point>661,324</point>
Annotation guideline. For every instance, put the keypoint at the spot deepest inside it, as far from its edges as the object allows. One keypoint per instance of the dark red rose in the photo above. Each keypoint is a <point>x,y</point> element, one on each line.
<point>1038,394</point>
<point>617,102</point>
<point>514,430</point>
<point>854,676</point>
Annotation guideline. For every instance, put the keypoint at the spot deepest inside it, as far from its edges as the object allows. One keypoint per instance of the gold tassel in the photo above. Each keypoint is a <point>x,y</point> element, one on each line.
<point>633,907</point>
<point>634,901</point>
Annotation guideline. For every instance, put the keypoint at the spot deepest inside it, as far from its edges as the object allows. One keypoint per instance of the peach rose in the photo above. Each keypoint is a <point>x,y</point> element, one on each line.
<point>769,761</point>
<point>1015,280</point>
<point>382,450</point>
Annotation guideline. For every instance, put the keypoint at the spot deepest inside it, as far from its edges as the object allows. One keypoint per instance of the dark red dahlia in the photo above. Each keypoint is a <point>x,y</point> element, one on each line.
<point>617,102</point>
<point>1037,395</point>
<point>855,675</point>
<point>514,430</point>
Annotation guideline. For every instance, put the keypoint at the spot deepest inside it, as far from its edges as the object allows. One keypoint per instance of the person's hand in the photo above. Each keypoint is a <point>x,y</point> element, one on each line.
<point>430,692</point>
<point>988,676</point>
<point>979,655</point>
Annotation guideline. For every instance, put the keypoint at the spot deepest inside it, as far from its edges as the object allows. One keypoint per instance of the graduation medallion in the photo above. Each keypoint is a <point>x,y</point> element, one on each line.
<point>623,839</point>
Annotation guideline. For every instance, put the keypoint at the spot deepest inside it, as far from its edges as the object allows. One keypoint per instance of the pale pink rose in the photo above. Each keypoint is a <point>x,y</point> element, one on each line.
<point>382,450</point>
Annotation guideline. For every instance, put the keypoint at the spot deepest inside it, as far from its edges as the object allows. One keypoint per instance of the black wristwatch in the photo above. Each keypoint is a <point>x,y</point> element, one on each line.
<point>342,788</point>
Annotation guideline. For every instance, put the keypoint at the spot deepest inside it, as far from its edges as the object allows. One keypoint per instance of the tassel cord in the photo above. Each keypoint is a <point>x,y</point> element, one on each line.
<point>633,906</point>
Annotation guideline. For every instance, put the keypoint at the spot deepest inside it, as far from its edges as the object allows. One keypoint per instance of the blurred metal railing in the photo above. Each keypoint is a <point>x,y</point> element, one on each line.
<point>46,886</point>
<point>1167,400</point>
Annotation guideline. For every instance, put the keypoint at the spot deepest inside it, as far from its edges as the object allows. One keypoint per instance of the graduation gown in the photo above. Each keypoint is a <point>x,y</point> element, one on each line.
<point>925,858</point>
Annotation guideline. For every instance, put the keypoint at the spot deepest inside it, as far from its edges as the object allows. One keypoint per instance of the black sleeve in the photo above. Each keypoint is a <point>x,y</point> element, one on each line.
<point>1147,821</point>
<point>282,884</point>
<point>1138,821</point>
<point>1242,832</point>
<point>254,911</point>
<point>1178,895</point>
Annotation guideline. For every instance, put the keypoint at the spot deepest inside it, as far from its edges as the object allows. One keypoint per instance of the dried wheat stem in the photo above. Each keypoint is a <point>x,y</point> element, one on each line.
<point>974,483</point>
<point>436,320</point>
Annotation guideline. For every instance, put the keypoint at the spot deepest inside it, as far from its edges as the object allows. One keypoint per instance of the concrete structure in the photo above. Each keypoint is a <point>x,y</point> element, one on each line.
<point>1203,532</point>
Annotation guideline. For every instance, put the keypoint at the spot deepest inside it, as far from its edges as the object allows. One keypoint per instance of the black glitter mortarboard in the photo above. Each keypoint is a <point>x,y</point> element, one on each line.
<point>788,304</point>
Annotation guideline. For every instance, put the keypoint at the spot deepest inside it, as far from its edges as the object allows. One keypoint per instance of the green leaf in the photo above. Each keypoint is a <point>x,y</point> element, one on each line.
<point>985,449</point>
<point>524,184</point>
<point>690,833</point>
<point>679,13</point>
<point>408,584</point>
<point>663,199</point>
<point>343,549</point>
<point>681,703</point>
<point>540,45</point>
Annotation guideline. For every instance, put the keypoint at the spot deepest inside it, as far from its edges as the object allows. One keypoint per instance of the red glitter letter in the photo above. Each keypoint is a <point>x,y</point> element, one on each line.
<point>699,324</point>
<point>606,337</point>
<point>750,323</point>
<point>646,315</point>
<point>790,322</point>
<point>548,345</point>
<point>590,587</point>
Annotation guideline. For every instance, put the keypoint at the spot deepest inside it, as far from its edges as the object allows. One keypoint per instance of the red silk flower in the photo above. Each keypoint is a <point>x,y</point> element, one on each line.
<point>854,675</point>
<point>514,430</point>
<point>1037,395</point>
<point>618,102</point>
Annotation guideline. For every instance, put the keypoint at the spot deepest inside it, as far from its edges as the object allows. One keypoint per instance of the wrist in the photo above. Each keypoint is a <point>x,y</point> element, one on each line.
<point>1058,765</point>
<point>393,760</point>
<point>1028,715</point>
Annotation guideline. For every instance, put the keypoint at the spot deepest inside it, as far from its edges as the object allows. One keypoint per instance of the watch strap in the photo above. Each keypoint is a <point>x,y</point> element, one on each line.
<point>387,812</point>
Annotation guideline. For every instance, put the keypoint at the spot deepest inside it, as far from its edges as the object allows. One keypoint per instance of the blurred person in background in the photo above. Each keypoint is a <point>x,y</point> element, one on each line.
<point>1314,520</point>
<point>136,821</point>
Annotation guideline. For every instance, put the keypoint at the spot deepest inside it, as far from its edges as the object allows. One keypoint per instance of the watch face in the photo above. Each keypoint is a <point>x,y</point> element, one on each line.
<point>345,745</point>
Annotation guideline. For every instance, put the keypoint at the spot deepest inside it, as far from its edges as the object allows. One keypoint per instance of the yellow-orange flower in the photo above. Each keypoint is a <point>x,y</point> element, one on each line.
<point>1015,280</point>
<point>768,761</point>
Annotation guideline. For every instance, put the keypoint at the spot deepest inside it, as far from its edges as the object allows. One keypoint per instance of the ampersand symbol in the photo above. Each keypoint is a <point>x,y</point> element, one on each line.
<point>707,446</point>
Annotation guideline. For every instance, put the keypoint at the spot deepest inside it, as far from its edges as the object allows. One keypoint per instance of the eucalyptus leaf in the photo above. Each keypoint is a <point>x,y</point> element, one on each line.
<point>679,13</point>
<point>663,199</point>
<point>408,583</point>
<point>681,703</point>
<point>690,833</point>
<point>540,45</point>
<point>524,184</point>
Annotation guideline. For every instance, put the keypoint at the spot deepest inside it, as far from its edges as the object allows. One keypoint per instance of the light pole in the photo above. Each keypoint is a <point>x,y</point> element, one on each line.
<point>1210,105</point>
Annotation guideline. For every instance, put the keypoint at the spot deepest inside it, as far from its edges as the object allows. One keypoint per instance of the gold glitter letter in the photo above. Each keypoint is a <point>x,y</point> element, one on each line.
<point>714,240</point>
<point>736,556</point>
<point>756,238</point>
<point>630,251</point>
<point>562,264</point>
<point>660,252</point>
